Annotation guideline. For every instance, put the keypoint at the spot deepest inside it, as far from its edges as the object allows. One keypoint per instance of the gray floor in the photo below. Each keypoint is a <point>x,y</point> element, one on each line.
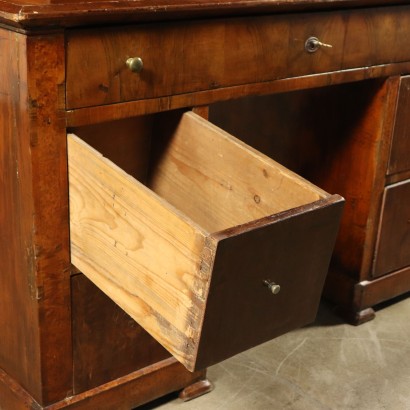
<point>328,365</point>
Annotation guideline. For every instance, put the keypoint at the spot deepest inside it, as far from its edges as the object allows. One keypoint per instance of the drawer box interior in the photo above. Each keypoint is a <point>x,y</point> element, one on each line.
<point>190,253</point>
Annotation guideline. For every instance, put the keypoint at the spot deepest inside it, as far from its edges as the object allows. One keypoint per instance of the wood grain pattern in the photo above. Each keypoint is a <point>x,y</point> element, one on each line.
<point>19,347</point>
<point>111,211</point>
<point>340,146</point>
<point>124,393</point>
<point>107,343</point>
<point>393,242</point>
<point>134,389</point>
<point>400,145</point>
<point>37,13</point>
<point>127,143</point>
<point>46,142</point>
<point>357,172</point>
<point>35,302</point>
<point>100,114</point>
<point>220,182</point>
<point>152,252</point>
<point>276,43</point>
<point>14,396</point>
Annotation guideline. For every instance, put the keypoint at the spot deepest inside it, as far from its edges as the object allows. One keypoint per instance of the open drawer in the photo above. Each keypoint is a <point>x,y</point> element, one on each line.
<point>221,249</point>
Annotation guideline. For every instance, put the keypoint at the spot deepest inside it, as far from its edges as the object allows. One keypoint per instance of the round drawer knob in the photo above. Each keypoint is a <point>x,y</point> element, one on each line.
<point>312,44</point>
<point>273,287</point>
<point>135,64</point>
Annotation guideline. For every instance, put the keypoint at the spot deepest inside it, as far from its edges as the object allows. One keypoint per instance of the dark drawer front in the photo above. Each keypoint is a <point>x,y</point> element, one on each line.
<point>393,247</point>
<point>294,252</point>
<point>400,148</point>
<point>195,56</point>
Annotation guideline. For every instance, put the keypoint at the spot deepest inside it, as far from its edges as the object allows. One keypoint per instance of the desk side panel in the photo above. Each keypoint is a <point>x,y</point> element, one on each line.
<point>35,348</point>
<point>47,143</point>
<point>19,323</point>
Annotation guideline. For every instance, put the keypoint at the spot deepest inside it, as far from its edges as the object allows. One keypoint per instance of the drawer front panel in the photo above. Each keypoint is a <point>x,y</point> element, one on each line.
<point>241,311</point>
<point>218,223</point>
<point>400,148</point>
<point>196,56</point>
<point>393,244</point>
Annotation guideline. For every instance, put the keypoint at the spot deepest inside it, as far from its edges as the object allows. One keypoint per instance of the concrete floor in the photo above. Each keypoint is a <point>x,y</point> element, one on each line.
<point>328,365</point>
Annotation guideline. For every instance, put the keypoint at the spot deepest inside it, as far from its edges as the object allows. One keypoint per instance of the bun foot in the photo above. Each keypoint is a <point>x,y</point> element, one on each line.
<point>195,390</point>
<point>356,318</point>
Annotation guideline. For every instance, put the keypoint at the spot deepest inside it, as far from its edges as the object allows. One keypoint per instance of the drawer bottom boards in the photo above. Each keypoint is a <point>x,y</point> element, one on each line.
<point>220,250</point>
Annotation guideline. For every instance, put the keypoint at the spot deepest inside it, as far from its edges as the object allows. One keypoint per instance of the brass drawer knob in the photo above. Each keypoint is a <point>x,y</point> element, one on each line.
<point>273,287</point>
<point>312,44</point>
<point>135,64</point>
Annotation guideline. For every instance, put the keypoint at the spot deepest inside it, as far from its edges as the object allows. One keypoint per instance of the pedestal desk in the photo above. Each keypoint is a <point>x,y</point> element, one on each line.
<point>141,241</point>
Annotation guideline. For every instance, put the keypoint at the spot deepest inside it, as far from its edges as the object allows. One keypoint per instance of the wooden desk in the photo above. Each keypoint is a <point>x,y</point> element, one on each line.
<point>260,70</point>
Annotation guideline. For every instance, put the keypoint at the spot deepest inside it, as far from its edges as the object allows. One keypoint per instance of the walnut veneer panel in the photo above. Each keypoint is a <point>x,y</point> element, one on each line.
<point>19,346</point>
<point>400,148</point>
<point>107,343</point>
<point>393,246</point>
<point>197,56</point>
<point>34,280</point>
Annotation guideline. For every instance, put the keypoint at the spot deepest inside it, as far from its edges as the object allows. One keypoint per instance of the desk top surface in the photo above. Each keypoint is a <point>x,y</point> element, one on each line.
<point>68,13</point>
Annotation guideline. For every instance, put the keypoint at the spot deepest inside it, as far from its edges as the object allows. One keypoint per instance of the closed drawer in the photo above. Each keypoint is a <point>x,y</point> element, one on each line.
<point>187,57</point>
<point>393,242</point>
<point>400,147</point>
<point>192,255</point>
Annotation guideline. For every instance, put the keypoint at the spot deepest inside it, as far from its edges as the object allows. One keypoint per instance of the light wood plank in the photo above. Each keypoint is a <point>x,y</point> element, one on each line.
<point>219,181</point>
<point>138,249</point>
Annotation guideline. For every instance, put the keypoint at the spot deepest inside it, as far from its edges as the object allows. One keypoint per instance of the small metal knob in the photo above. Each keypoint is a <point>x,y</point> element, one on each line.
<point>135,64</point>
<point>312,44</point>
<point>273,287</point>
